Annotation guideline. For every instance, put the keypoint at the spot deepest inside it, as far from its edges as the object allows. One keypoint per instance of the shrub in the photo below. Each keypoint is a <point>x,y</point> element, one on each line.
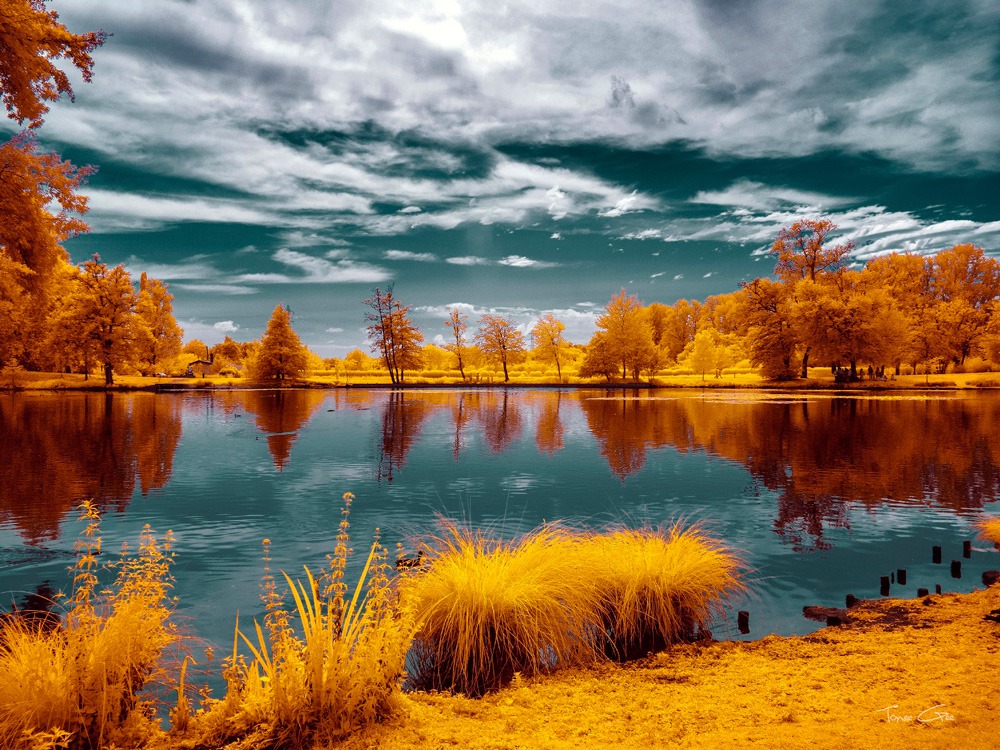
<point>659,586</point>
<point>978,364</point>
<point>339,673</point>
<point>78,684</point>
<point>989,529</point>
<point>489,609</point>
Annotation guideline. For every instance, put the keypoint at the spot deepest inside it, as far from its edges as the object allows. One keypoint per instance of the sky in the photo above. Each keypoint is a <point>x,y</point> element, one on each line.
<point>518,157</point>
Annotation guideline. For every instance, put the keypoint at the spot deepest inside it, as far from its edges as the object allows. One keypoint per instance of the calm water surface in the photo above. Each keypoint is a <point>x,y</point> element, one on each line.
<point>822,494</point>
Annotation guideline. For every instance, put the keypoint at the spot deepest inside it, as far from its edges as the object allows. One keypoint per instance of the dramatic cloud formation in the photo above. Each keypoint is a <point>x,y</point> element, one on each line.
<point>527,151</point>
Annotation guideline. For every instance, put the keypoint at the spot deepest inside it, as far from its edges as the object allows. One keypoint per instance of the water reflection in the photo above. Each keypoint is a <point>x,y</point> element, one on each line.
<point>57,451</point>
<point>279,414</point>
<point>818,454</point>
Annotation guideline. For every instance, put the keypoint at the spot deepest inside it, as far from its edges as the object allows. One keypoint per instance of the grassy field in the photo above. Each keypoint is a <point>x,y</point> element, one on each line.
<point>819,378</point>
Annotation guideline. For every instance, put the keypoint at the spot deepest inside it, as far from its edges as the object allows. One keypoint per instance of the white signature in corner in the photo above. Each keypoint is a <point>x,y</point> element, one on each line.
<point>927,716</point>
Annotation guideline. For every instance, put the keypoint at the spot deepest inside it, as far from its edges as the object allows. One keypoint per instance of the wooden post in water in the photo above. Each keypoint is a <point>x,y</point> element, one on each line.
<point>937,588</point>
<point>921,593</point>
<point>743,621</point>
<point>884,588</point>
<point>966,549</point>
<point>956,568</point>
<point>851,600</point>
<point>936,554</point>
<point>901,576</point>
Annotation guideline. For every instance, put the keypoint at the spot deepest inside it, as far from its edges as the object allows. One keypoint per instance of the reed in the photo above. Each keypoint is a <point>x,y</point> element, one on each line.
<point>78,684</point>
<point>658,586</point>
<point>489,609</point>
<point>330,666</point>
<point>989,529</point>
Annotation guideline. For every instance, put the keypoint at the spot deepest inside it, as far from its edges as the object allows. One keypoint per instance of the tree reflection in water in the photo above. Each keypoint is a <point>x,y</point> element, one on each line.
<point>57,451</point>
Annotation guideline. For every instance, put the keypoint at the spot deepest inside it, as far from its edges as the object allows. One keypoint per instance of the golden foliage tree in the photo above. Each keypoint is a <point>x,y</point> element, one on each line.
<point>802,253</point>
<point>104,305</point>
<point>32,41</point>
<point>392,333</point>
<point>458,323</point>
<point>628,336</point>
<point>158,335</point>
<point>500,340</point>
<point>282,355</point>
<point>549,340</point>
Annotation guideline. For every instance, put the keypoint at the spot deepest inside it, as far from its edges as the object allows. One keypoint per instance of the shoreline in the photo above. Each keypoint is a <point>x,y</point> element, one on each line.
<point>48,383</point>
<point>914,673</point>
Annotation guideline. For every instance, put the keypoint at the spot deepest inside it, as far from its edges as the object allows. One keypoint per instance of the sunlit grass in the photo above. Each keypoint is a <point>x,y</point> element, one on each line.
<point>318,673</point>
<point>658,586</point>
<point>488,609</point>
<point>78,685</point>
<point>989,529</point>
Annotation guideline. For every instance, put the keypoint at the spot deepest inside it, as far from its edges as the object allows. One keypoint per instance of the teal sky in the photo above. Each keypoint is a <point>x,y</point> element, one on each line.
<point>520,156</point>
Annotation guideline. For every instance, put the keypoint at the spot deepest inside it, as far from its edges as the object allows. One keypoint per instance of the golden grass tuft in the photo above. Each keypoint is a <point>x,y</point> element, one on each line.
<point>658,586</point>
<point>989,529</point>
<point>330,667</point>
<point>489,609</point>
<point>78,685</point>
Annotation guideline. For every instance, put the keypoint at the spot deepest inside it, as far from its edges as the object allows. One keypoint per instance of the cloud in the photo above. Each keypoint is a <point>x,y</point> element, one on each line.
<point>519,261</point>
<point>226,326</point>
<point>468,260</point>
<point>556,236</point>
<point>408,255</point>
<point>318,271</point>
<point>678,277</point>
<point>335,330</point>
<point>235,290</point>
<point>758,196</point>
<point>656,275</point>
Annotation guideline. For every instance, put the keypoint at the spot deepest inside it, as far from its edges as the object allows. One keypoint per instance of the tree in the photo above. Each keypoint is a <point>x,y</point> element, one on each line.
<point>459,324</point>
<point>549,340</point>
<point>599,358</point>
<point>500,340</point>
<point>158,335</point>
<point>104,305</point>
<point>968,282</point>
<point>281,354</point>
<point>769,333</point>
<point>844,317</point>
<point>629,337</point>
<point>801,254</point>
<point>31,41</point>
<point>393,334</point>
<point>711,351</point>
<point>30,183</point>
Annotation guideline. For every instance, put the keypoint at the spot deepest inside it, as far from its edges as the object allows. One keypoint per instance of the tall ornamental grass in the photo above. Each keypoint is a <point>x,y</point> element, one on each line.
<point>989,529</point>
<point>330,666</point>
<point>489,609</point>
<point>658,586</point>
<point>78,685</point>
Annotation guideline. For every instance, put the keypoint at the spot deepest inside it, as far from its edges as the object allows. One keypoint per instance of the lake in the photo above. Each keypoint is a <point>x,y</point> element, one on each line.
<point>821,493</point>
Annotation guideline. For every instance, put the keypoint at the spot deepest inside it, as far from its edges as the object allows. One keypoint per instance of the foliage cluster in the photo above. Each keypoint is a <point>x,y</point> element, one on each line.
<point>489,609</point>
<point>78,684</point>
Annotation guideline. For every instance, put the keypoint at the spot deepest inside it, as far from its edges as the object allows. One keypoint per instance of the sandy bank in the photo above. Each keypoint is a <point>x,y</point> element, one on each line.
<point>903,674</point>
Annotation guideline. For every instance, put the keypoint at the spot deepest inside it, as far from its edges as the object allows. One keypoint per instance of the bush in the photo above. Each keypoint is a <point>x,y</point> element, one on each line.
<point>340,673</point>
<point>659,586</point>
<point>978,364</point>
<point>989,529</point>
<point>78,684</point>
<point>489,609</point>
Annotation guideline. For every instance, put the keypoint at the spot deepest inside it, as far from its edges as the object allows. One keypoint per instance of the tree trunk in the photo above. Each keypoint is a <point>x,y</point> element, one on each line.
<point>558,369</point>
<point>109,376</point>
<point>506,377</point>
<point>462,371</point>
<point>805,364</point>
<point>854,369</point>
